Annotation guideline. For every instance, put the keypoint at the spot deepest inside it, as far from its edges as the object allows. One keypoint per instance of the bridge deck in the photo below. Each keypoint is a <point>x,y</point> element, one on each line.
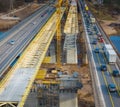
<point>17,86</point>
<point>71,25</point>
<point>71,30</point>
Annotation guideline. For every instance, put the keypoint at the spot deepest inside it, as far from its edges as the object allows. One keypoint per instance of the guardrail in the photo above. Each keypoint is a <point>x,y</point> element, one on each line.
<point>93,76</point>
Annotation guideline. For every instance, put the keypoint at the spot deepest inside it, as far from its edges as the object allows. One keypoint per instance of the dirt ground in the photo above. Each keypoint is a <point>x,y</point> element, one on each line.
<point>7,24</point>
<point>109,30</point>
<point>85,95</point>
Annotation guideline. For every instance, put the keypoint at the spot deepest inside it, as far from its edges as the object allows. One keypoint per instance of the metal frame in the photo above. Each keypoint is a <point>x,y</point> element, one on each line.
<point>58,23</point>
<point>8,104</point>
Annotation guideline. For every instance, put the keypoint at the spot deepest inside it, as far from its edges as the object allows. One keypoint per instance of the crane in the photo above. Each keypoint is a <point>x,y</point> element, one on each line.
<point>58,36</point>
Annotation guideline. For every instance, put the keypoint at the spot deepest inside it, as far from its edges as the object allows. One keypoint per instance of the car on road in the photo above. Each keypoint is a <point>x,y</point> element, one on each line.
<point>103,67</point>
<point>115,73</point>
<point>98,38</point>
<point>95,28</point>
<point>112,87</point>
<point>96,50</point>
<point>94,42</point>
<point>101,40</point>
<point>33,23</point>
<point>12,42</point>
<point>99,35</point>
<point>90,33</point>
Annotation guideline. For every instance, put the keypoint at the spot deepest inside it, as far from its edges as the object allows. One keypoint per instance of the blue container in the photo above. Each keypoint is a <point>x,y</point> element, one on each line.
<point>116,41</point>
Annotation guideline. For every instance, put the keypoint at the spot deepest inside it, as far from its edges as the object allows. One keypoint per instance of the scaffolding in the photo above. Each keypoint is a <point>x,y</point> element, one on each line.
<point>48,94</point>
<point>54,86</point>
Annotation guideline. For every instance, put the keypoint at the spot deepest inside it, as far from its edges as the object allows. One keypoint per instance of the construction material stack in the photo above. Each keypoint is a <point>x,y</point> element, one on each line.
<point>71,31</point>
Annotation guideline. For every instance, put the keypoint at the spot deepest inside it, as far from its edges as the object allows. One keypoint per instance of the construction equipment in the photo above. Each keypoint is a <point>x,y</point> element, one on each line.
<point>58,6</point>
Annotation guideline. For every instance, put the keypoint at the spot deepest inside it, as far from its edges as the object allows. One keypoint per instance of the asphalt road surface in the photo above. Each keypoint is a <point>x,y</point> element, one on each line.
<point>105,78</point>
<point>22,37</point>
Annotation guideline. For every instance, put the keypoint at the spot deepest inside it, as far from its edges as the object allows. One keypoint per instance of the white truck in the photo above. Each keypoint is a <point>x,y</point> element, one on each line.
<point>110,53</point>
<point>93,20</point>
<point>107,47</point>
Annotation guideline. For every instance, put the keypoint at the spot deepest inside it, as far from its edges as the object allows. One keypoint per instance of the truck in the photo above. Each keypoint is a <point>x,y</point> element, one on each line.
<point>111,56</point>
<point>92,19</point>
<point>107,47</point>
<point>110,53</point>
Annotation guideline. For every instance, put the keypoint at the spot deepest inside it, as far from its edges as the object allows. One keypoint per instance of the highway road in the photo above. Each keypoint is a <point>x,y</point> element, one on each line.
<point>20,24</point>
<point>22,35</point>
<point>104,78</point>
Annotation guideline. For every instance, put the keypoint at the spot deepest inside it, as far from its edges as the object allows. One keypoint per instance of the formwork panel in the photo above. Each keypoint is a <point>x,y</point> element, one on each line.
<point>71,25</point>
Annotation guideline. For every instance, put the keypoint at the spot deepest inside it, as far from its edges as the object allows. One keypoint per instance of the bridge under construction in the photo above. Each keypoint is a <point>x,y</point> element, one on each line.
<point>62,32</point>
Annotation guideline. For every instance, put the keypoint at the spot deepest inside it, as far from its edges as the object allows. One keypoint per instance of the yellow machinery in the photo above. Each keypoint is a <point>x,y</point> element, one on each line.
<point>58,6</point>
<point>58,34</point>
<point>41,74</point>
<point>66,4</point>
<point>47,59</point>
